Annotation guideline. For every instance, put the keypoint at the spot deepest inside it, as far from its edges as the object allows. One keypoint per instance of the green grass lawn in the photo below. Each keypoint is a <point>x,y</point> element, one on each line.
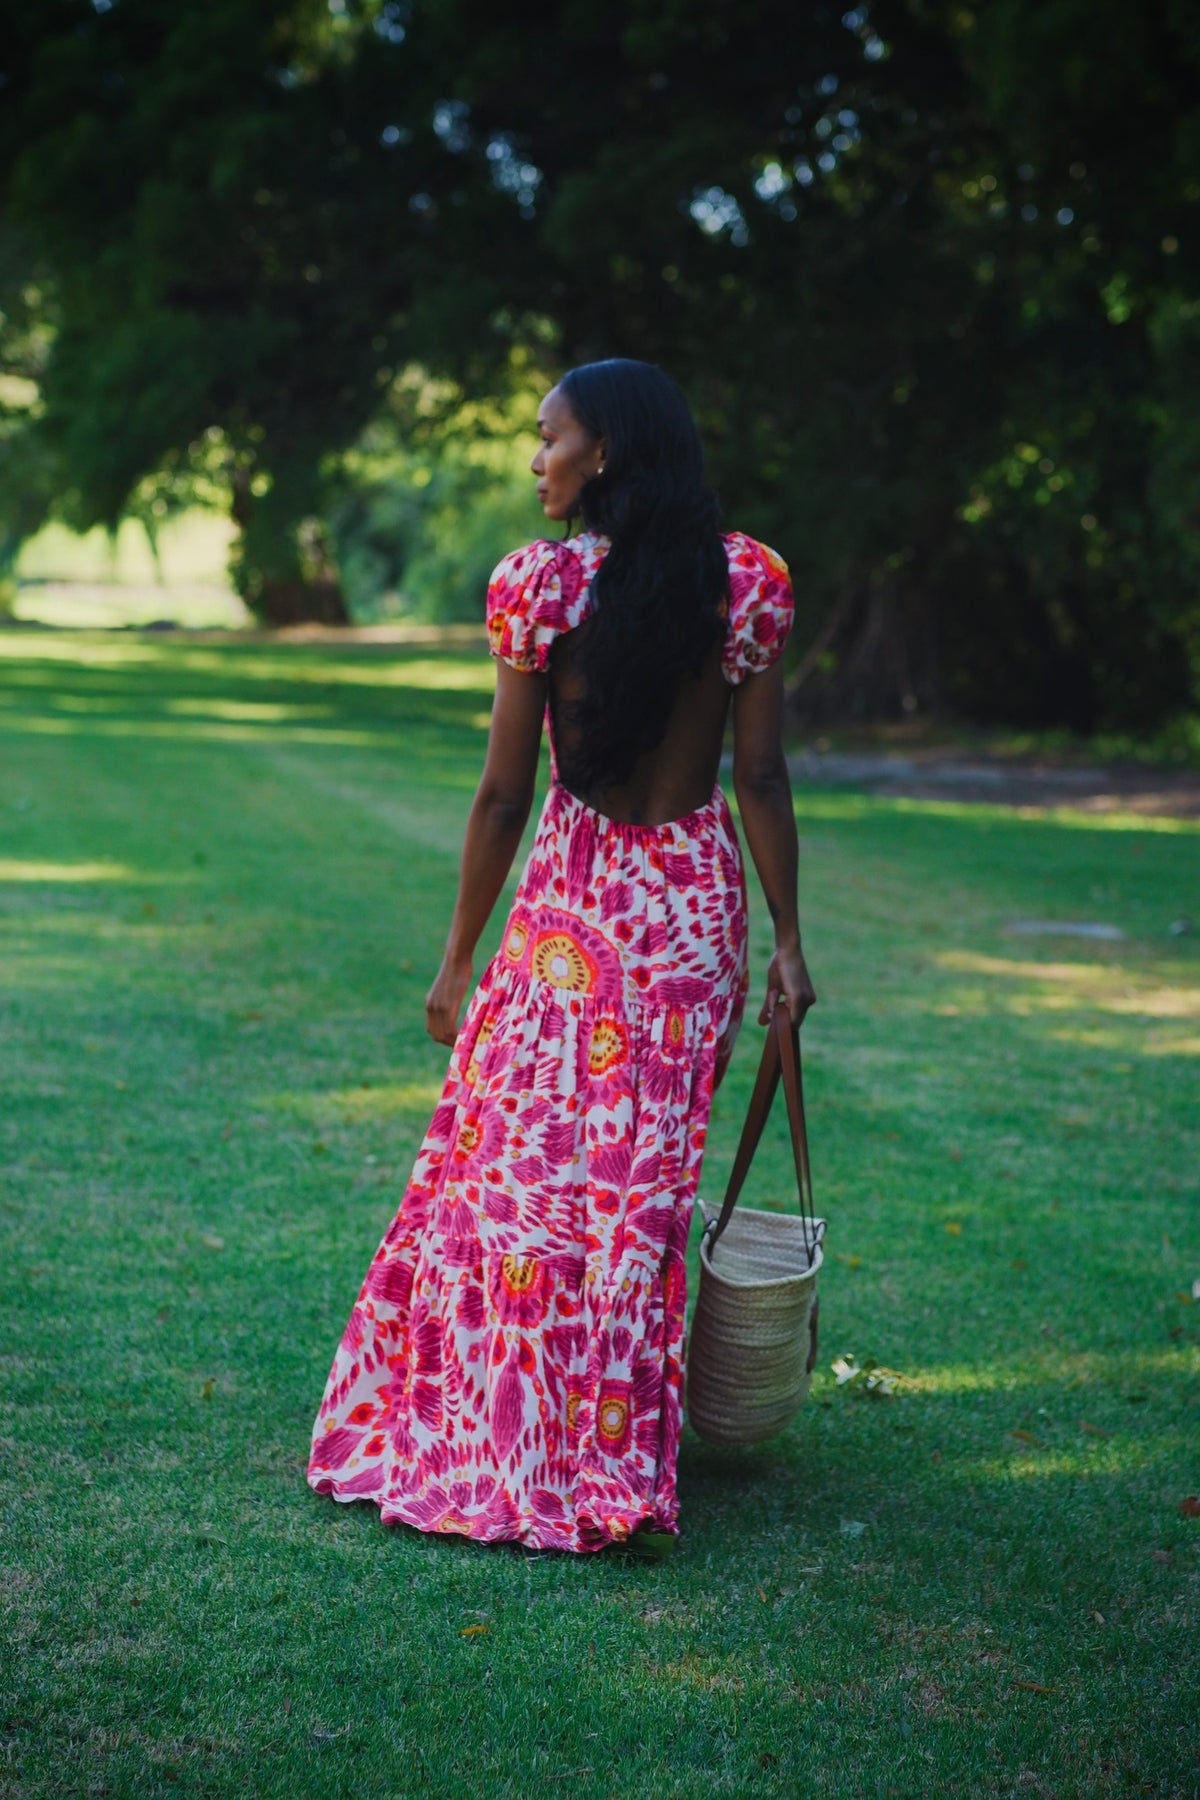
<point>225,873</point>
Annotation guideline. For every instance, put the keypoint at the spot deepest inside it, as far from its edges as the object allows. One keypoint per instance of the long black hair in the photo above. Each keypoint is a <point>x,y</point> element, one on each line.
<point>661,590</point>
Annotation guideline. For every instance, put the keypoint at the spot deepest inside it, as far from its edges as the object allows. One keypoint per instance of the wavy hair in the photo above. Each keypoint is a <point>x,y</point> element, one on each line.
<point>660,592</point>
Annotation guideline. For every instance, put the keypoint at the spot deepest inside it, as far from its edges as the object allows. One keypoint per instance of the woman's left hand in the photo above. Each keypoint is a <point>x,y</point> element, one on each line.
<point>443,1002</point>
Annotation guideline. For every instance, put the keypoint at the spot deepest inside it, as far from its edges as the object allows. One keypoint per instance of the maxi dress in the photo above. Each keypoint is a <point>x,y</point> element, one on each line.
<point>513,1366</point>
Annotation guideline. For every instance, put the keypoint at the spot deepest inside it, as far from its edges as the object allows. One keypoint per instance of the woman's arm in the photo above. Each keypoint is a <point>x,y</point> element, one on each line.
<point>494,827</point>
<point>764,796</point>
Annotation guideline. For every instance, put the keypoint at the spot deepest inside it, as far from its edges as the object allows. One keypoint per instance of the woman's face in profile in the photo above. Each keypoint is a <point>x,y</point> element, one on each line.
<point>568,456</point>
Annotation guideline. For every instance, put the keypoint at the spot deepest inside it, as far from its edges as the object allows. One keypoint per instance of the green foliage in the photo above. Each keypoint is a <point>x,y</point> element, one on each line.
<point>434,494</point>
<point>215,1078</point>
<point>889,251</point>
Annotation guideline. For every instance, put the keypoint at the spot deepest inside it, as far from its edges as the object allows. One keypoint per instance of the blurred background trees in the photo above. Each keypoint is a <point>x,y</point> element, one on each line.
<point>930,274</point>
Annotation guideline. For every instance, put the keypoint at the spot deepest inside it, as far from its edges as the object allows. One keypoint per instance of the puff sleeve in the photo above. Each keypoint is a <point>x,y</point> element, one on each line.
<point>531,599</point>
<point>760,608</point>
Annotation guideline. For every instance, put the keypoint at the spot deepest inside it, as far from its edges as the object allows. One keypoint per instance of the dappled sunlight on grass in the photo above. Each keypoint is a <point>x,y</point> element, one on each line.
<point>1023,1464</point>
<point>1127,1043</point>
<point>13,870</point>
<point>1081,987</point>
<point>207,730</point>
<point>981,815</point>
<point>382,666</point>
<point>1092,984</point>
<point>1067,1372</point>
<point>358,1104</point>
<point>250,712</point>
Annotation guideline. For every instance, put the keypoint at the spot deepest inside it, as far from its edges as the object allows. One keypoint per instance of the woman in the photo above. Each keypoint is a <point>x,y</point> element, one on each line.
<point>513,1366</point>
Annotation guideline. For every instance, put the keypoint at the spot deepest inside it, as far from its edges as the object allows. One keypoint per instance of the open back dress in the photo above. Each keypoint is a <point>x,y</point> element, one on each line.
<point>513,1365</point>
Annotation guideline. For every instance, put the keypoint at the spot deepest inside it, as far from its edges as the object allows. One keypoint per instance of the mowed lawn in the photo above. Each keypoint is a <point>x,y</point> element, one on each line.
<point>225,874</point>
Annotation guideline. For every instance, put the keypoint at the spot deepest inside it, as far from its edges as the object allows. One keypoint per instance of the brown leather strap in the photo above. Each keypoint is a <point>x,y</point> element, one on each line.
<point>780,1062</point>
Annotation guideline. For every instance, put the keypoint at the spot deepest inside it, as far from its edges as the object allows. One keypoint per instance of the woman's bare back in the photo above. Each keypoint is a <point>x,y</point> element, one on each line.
<point>677,776</point>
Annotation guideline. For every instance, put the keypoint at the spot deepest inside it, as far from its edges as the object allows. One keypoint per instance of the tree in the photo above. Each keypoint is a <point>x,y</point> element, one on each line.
<point>928,272</point>
<point>238,235</point>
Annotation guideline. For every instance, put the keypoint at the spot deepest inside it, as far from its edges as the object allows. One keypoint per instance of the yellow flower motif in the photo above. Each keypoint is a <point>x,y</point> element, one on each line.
<point>518,1273</point>
<point>559,960</point>
<point>609,1046</point>
<point>468,1138</point>
<point>674,1028</point>
<point>610,1420</point>
<point>515,942</point>
<point>486,1032</point>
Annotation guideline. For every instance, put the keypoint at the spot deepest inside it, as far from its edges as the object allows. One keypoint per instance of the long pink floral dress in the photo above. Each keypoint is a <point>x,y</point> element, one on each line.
<point>513,1366</point>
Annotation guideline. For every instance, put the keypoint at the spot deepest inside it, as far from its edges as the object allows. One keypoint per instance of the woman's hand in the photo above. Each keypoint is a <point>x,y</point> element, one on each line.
<point>788,980</point>
<point>443,1002</point>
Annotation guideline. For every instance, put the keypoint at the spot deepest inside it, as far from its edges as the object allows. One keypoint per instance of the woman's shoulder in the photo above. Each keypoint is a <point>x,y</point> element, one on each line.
<point>536,593</point>
<point>761,606</point>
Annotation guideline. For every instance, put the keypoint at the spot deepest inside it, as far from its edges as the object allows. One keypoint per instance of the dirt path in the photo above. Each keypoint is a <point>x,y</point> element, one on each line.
<point>950,775</point>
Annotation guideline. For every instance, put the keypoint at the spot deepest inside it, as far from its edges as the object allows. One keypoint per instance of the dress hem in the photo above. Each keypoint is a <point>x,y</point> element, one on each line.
<point>533,1534</point>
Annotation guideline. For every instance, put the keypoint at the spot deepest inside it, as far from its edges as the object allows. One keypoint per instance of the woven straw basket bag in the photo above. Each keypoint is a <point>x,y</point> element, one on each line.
<point>753,1341</point>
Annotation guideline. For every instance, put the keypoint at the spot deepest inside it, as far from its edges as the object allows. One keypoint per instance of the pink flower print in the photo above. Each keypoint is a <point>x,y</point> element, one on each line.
<point>480,1138</point>
<point>521,1293</point>
<point>352,1337</point>
<point>616,899</point>
<point>506,1408</point>
<point>427,1404</point>
<point>469,1310</point>
<point>613,1416</point>
<point>364,1483</point>
<point>335,1448</point>
<point>391,1280</point>
<point>580,857</point>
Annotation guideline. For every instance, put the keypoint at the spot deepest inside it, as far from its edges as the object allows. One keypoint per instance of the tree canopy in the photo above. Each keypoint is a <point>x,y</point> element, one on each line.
<point>930,274</point>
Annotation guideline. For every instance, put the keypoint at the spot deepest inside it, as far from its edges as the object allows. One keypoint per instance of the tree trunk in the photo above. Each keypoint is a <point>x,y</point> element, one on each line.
<point>298,589</point>
<point>280,601</point>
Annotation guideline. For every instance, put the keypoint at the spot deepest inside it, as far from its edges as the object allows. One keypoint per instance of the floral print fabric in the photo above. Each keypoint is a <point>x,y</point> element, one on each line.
<point>513,1366</point>
<point>545,589</point>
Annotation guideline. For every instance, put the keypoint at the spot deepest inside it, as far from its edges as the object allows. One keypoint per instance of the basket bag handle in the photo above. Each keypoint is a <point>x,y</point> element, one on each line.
<point>780,1062</point>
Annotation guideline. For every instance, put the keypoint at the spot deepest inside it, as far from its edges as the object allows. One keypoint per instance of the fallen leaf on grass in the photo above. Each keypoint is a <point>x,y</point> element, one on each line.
<point>762,1594</point>
<point>473,1630</point>
<point>1026,1437</point>
<point>1196,1290</point>
<point>213,1243</point>
<point>1032,1687</point>
<point>1190,1506</point>
<point>953,1227</point>
<point>1093,1430</point>
<point>208,1388</point>
<point>1099,1618</point>
<point>852,1527</point>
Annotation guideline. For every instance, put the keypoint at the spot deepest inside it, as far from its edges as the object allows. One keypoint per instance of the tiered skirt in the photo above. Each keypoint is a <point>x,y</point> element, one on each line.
<point>513,1365</point>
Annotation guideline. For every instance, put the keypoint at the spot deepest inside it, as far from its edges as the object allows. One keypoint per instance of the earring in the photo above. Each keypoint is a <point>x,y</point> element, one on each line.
<point>600,470</point>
